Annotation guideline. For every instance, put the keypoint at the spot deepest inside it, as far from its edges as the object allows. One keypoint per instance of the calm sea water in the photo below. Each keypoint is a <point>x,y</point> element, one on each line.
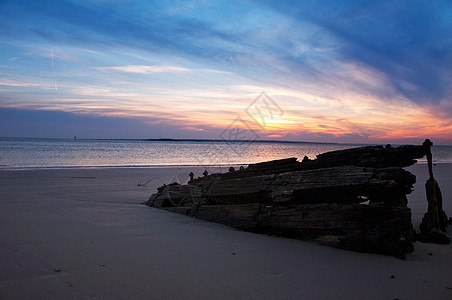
<point>22,153</point>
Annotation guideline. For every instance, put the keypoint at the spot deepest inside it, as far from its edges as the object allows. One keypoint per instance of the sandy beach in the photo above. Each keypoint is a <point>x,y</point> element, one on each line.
<point>85,234</point>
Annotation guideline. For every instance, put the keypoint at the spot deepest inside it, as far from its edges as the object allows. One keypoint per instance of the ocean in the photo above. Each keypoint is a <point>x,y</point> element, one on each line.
<point>26,153</point>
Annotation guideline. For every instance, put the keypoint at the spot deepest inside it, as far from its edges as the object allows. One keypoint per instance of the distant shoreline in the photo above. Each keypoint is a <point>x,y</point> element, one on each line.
<point>241,141</point>
<point>237,141</point>
<point>181,140</point>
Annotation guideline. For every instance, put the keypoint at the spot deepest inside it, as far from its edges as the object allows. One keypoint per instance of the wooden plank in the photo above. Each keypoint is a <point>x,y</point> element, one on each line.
<point>311,198</point>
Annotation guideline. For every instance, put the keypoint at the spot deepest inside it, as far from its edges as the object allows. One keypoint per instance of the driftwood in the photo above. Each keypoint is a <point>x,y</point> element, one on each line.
<point>357,196</point>
<point>434,222</point>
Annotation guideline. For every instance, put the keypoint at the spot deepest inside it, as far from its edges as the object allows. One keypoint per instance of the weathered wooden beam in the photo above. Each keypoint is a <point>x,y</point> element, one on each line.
<point>311,198</point>
<point>345,184</point>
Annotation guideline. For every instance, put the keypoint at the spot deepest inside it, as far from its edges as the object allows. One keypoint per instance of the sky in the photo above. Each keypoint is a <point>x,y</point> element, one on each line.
<point>317,71</point>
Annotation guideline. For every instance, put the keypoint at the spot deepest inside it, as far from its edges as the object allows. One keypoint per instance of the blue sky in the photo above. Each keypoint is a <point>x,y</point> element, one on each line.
<point>349,71</point>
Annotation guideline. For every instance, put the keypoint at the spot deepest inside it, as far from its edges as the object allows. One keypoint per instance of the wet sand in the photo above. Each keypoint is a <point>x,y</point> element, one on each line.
<point>84,234</point>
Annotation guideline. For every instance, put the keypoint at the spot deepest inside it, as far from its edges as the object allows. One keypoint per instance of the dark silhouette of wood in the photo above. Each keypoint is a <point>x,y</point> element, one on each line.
<point>434,222</point>
<point>356,195</point>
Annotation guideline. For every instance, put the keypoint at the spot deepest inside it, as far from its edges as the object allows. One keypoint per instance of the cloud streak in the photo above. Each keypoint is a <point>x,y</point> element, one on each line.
<point>408,41</point>
<point>147,69</point>
<point>340,70</point>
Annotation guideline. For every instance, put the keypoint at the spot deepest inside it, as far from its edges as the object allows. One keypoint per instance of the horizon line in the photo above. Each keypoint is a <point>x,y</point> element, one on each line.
<point>206,140</point>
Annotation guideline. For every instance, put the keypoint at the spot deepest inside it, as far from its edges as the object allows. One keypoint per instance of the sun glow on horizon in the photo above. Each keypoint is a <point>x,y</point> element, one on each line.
<point>194,71</point>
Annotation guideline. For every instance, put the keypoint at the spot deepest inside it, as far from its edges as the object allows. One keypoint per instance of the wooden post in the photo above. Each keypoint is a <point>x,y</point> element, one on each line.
<point>434,221</point>
<point>430,188</point>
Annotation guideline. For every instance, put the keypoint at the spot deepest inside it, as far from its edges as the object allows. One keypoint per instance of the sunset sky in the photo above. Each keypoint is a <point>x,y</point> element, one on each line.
<point>326,71</point>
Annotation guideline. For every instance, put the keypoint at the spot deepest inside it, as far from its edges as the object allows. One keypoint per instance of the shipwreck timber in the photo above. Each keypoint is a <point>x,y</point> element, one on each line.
<point>355,197</point>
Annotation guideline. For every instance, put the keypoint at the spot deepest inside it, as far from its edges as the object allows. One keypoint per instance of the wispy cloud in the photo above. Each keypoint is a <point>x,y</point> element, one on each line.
<point>140,69</point>
<point>408,41</point>
<point>8,82</point>
<point>364,70</point>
